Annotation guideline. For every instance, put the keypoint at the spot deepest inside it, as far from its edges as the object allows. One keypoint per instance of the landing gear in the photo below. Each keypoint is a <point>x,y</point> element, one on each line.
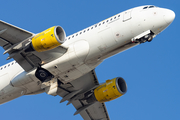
<point>43,74</point>
<point>150,39</point>
<point>49,82</point>
<point>146,36</point>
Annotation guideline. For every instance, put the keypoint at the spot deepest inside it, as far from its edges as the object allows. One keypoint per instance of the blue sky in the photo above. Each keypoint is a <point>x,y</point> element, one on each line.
<point>151,70</point>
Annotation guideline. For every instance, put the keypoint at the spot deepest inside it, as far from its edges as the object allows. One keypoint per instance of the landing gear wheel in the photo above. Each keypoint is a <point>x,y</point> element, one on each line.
<point>142,40</point>
<point>43,74</point>
<point>150,39</point>
<point>147,38</point>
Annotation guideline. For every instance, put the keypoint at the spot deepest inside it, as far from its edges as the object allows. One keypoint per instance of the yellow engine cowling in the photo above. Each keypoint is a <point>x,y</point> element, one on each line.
<point>110,90</point>
<point>48,39</point>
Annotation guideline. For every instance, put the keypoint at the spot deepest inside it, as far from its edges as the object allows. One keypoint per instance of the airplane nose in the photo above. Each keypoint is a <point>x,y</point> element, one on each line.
<point>169,16</point>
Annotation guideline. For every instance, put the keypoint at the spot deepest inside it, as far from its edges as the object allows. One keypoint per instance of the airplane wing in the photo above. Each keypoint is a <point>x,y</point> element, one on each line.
<point>74,93</point>
<point>13,38</point>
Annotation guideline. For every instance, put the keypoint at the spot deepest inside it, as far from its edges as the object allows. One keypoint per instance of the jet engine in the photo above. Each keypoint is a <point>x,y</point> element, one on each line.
<point>47,40</point>
<point>110,90</point>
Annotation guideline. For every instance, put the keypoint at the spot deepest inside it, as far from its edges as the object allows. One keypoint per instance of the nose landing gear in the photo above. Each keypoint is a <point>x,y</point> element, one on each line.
<point>146,38</point>
<point>143,37</point>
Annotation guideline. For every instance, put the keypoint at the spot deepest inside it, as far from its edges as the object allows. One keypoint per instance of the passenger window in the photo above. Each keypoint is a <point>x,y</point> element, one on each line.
<point>99,24</point>
<point>69,37</point>
<point>88,29</point>
<point>84,31</point>
<point>114,17</point>
<point>107,21</point>
<point>92,28</point>
<point>76,34</point>
<point>80,32</point>
<point>103,22</point>
<point>118,15</point>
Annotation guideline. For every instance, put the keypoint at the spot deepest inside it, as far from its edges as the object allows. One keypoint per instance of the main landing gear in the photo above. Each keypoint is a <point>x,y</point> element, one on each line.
<point>43,74</point>
<point>48,82</point>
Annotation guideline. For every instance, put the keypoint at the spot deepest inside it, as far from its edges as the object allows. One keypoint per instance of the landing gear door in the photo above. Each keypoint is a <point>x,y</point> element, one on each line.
<point>127,15</point>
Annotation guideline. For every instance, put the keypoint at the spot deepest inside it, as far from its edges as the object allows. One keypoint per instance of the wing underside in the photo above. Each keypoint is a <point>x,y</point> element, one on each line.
<point>11,35</point>
<point>73,93</point>
<point>13,39</point>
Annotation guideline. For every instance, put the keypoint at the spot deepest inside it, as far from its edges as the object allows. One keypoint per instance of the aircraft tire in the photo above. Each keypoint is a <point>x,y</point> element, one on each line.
<point>43,74</point>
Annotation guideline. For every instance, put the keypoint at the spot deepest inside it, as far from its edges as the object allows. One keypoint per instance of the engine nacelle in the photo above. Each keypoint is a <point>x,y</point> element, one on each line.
<point>110,90</point>
<point>48,39</point>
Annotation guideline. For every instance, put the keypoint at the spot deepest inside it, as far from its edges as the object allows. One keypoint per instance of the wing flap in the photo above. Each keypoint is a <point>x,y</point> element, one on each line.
<point>88,111</point>
<point>96,111</point>
<point>23,62</point>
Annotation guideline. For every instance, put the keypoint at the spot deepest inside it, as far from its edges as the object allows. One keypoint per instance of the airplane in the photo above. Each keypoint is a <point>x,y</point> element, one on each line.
<point>57,64</point>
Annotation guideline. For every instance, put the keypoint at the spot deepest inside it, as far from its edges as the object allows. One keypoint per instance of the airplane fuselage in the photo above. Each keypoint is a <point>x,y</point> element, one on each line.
<point>87,49</point>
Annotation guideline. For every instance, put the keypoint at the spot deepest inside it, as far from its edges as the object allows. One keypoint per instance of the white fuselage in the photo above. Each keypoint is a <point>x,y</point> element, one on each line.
<point>87,49</point>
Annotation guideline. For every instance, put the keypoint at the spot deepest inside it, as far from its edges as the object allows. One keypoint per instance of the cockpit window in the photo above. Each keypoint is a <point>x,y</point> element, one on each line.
<point>145,7</point>
<point>151,6</point>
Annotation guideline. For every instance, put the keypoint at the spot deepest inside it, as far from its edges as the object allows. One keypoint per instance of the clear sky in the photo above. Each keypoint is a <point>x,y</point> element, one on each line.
<point>151,70</point>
